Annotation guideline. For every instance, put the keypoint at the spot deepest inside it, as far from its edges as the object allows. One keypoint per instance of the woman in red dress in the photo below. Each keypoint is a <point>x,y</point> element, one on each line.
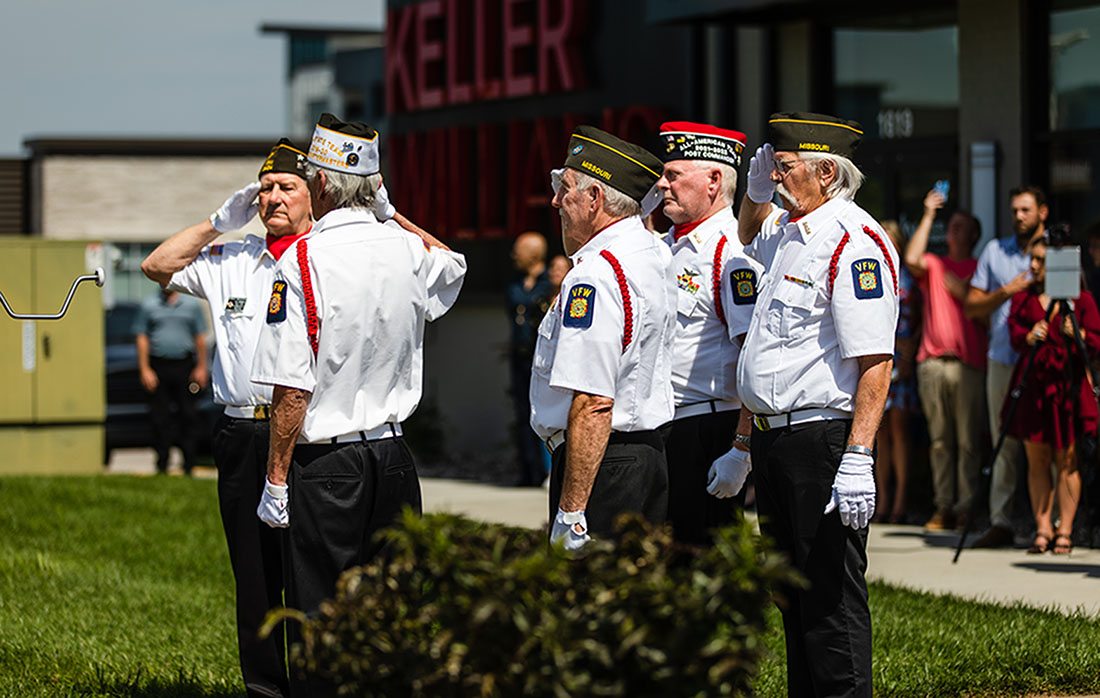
<point>1057,406</point>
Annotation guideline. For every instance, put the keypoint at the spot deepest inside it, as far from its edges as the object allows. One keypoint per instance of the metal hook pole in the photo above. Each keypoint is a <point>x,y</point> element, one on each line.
<point>98,277</point>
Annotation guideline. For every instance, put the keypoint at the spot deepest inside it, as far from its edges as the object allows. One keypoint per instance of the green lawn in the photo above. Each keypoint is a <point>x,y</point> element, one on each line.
<point>121,586</point>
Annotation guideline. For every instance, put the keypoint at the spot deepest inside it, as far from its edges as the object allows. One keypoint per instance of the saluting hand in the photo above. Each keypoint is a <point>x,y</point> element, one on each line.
<point>761,187</point>
<point>237,210</point>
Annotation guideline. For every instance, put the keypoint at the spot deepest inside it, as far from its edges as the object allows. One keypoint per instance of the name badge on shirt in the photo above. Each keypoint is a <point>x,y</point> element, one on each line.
<point>743,282</point>
<point>276,307</point>
<point>580,306</point>
<point>867,278</point>
<point>234,306</point>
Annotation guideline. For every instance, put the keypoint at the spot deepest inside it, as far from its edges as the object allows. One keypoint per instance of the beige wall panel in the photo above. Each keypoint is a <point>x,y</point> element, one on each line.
<point>136,199</point>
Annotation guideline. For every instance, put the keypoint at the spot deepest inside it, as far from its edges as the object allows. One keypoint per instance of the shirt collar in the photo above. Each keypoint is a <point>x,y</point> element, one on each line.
<point>343,216</point>
<point>604,238</point>
<point>707,229</point>
<point>815,220</point>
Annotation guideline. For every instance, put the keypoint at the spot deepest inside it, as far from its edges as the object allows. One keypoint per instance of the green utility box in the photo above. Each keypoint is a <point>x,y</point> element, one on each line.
<point>52,371</point>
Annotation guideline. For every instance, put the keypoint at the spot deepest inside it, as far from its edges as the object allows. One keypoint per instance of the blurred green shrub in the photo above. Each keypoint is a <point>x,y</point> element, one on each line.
<point>456,607</point>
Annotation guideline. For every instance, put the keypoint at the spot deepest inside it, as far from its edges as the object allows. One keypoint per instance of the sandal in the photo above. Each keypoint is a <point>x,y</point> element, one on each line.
<point>1063,544</point>
<point>1040,545</point>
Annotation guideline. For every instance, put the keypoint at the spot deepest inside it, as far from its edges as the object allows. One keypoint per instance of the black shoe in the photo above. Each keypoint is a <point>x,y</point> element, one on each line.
<point>996,537</point>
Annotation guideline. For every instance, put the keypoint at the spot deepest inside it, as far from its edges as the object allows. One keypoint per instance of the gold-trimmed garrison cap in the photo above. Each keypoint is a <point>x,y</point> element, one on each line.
<point>623,166</point>
<point>813,133</point>
<point>344,146</point>
<point>285,157</point>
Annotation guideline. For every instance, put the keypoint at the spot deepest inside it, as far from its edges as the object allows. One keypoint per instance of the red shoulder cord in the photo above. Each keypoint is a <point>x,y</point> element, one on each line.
<point>881,245</point>
<point>716,279</point>
<point>628,311</point>
<point>312,323</point>
<point>836,260</point>
<point>885,255</point>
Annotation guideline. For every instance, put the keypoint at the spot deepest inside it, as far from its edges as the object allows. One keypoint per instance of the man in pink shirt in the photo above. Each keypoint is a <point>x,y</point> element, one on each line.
<point>950,362</point>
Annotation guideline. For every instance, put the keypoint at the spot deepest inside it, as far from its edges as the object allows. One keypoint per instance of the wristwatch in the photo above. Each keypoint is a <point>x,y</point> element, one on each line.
<point>742,439</point>
<point>861,450</point>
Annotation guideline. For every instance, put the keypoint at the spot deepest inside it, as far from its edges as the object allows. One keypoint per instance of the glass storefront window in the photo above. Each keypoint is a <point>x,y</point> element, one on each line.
<point>898,83</point>
<point>1074,71</point>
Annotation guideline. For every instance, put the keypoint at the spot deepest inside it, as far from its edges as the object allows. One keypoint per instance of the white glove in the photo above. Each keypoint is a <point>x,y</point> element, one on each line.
<point>274,509</point>
<point>854,490</point>
<point>383,209</point>
<point>571,529</point>
<point>237,210</point>
<point>761,187</point>
<point>727,474</point>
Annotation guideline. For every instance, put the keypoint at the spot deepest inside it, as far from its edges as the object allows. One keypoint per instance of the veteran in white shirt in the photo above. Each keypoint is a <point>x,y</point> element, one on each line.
<point>601,378</point>
<point>235,278</point>
<point>715,285</point>
<point>342,346</point>
<point>815,370</point>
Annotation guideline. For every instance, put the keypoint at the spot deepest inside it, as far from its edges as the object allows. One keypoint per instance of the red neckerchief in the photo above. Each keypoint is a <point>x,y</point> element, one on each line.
<point>679,231</point>
<point>278,244</point>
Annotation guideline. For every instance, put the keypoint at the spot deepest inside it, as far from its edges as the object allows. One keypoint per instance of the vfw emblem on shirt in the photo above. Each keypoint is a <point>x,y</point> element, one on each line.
<point>580,306</point>
<point>276,307</point>
<point>867,278</point>
<point>686,281</point>
<point>744,286</point>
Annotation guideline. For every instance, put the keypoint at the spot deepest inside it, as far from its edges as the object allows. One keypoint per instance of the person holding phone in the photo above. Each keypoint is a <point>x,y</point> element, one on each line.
<point>950,362</point>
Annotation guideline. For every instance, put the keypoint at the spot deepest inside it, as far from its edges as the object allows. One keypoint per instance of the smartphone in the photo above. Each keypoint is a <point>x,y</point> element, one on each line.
<point>942,186</point>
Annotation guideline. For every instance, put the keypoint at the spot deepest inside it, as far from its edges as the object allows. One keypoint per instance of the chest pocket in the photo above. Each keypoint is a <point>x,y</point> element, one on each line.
<point>688,306</point>
<point>791,308</point>
<point>237,315</point>
<point>548,340</point>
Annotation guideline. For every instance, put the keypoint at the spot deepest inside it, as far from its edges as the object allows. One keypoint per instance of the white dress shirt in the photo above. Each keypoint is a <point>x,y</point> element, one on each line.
<point>806,334</point>
<point>580,343</point>
<point>374,286</point>
<point>704,350</point>
<point>235,278</point>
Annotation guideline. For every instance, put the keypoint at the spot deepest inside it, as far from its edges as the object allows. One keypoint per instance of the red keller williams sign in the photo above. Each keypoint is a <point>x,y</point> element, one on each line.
<point>481,96</point>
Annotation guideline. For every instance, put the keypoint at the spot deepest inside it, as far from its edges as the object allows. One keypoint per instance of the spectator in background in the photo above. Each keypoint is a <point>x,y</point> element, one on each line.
<point>529,296</point>
<point>171,353</point>
<point>893,434</point>
<point>1002,273</point>
<point>559,267</point>
<point>950,362</point>
<point>1056,406</point>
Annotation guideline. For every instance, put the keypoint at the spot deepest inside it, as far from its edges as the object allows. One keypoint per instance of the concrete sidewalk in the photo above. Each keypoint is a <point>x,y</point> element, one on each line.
<point>901,555</point>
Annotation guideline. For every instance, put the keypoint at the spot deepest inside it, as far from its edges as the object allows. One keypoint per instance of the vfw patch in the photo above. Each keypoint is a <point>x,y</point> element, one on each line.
<point>579,306</point>
<point>276,307</point>
<point>743,282</point>
<point>686,281</point>
<point>867,278</point>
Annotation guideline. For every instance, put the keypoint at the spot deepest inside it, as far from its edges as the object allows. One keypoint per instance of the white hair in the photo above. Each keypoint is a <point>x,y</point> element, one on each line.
<point>848,177</point>
<point>615,203</point>
<point>729,178</point>
<point>347,190</point>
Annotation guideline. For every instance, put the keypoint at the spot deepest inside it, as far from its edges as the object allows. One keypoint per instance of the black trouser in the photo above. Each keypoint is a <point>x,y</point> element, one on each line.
<point>240,452</point>
<point>341,495</point>
<point>632,478</point>
<point>173,379</point>
<point>692,445</point>
<point>828,626</point>
<point>528,445</point>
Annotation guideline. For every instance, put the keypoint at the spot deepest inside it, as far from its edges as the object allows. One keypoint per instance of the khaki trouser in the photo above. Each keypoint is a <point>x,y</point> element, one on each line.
<point>1002,489</point>
<point>951,395</point>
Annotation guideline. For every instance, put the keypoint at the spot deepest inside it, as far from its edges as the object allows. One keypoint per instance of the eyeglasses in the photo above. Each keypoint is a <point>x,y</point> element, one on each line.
<point>556,179</point>
<point>784,167</point>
